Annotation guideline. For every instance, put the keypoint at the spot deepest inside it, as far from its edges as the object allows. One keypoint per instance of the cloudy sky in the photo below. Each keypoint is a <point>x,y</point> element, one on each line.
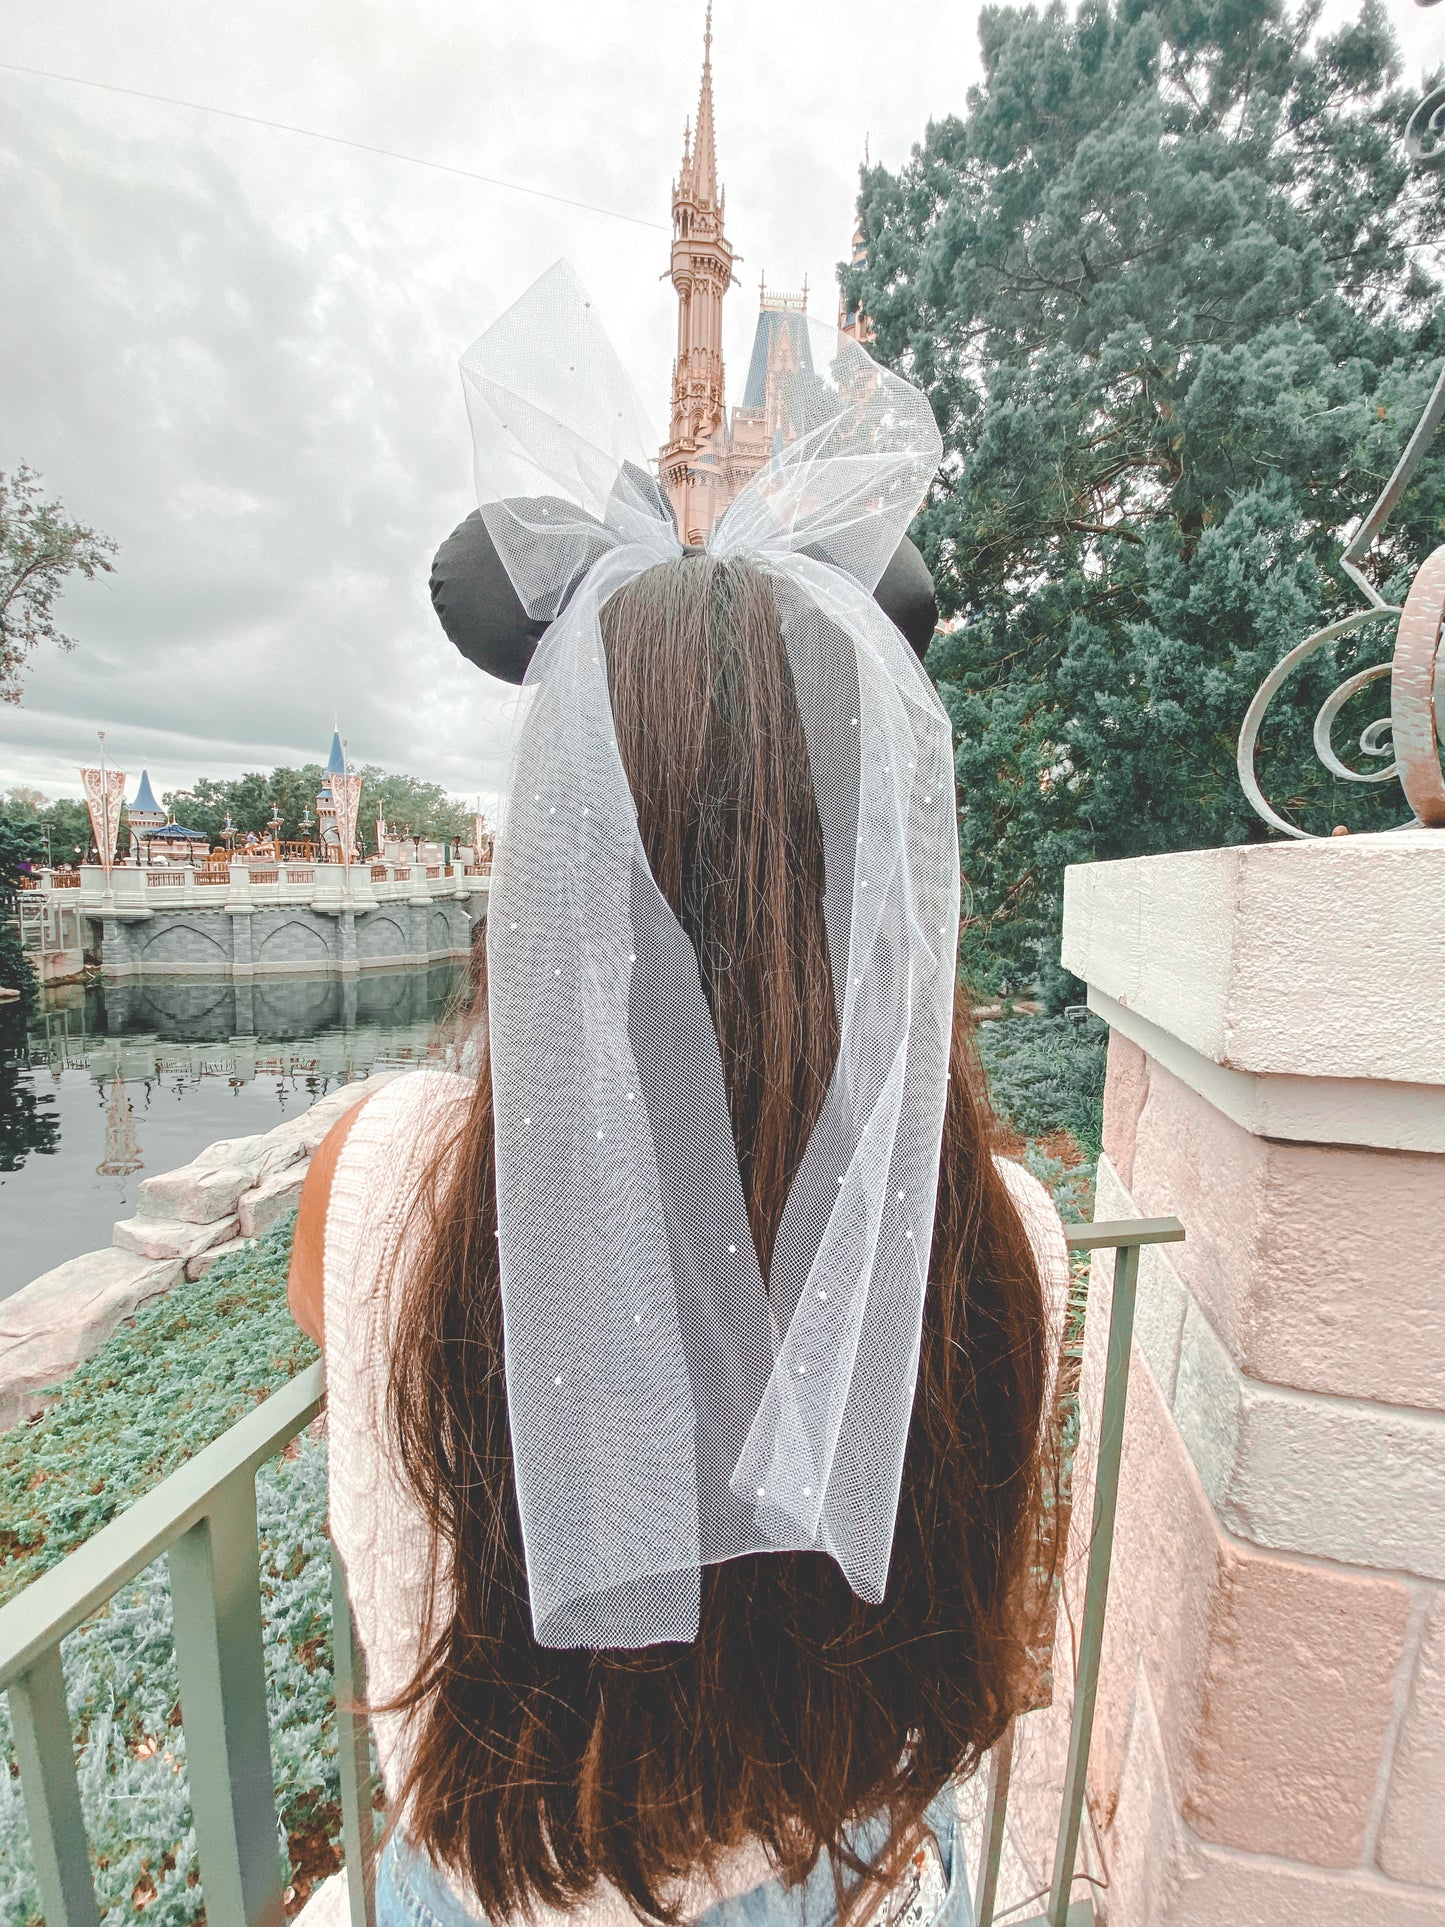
<point>234,348</point>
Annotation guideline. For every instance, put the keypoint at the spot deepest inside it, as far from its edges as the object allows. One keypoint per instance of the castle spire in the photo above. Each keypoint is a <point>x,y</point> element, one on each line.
<point>704,151</point>
<point>855,320</point>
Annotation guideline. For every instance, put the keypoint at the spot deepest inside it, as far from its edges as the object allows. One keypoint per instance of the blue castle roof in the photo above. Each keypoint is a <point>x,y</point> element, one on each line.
<point>774,326</point>
<point>336,762</point>
<point>145,798</point>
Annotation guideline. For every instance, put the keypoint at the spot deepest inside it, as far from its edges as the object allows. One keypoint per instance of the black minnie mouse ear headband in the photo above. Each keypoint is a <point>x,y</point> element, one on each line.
<point>480,610</point>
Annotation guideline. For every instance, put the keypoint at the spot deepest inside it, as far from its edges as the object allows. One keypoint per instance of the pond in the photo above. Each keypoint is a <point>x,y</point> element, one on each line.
<point>107,1083</point>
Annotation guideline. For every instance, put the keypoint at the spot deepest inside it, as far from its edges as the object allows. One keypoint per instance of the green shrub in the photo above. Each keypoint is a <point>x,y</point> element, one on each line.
<point>1046,1078</point>
<point>1046,1075</point>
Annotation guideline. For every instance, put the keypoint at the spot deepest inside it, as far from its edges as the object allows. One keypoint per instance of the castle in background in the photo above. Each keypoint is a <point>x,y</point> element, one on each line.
<point>154,834</point>
<point>709,458</point>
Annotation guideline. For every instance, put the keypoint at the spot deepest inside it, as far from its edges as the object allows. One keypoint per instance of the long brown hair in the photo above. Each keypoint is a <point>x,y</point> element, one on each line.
<point>799,1710</point>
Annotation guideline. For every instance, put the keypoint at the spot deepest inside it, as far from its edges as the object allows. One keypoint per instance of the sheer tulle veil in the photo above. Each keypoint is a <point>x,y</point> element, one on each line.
<point>670,1406</point>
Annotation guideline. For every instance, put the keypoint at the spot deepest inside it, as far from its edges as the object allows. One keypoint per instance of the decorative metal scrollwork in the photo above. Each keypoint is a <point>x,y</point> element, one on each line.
<point>1423,137</point>
<point>1417,679</point>
<point>1416,722</point>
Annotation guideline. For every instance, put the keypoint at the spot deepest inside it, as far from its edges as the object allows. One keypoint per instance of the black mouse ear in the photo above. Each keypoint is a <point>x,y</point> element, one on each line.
<point>905,595</point>
<point>481,612</point>
<point>473,595</point>
<point>477,605</point>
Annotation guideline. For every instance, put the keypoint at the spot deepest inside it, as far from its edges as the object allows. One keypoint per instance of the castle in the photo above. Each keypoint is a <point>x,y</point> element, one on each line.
<point>154,835</point>
<point>709,457</point>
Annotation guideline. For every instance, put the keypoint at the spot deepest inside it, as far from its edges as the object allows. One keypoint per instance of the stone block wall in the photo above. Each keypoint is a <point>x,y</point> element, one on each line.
<point>1270,1744</point>
<point>286,939</point>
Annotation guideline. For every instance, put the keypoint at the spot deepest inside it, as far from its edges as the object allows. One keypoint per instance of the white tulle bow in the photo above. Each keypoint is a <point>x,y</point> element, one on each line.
<point>669,1408</point>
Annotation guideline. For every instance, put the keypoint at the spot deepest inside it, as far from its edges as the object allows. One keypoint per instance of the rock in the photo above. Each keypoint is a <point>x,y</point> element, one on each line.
<point>198,1266</point>
<point>259,1209</point>
<point>209,1186</point>
<point>197,1193</point>
<point>171,1237</point>
<point>50,1325</point>
<point>280,1190</point>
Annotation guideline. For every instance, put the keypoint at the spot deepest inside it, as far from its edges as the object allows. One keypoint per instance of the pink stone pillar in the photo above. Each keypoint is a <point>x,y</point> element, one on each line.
<point>1270,1744</point>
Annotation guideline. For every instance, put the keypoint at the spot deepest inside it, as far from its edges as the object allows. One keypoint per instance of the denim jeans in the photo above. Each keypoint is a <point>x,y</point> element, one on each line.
<point>410,1892</point>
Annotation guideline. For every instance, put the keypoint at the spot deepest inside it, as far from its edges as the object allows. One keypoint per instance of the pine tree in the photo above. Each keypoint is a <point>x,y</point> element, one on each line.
<point>1167,284</point>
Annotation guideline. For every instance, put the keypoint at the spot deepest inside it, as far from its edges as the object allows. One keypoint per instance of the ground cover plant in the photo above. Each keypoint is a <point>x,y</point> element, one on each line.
<point>191,1364</point>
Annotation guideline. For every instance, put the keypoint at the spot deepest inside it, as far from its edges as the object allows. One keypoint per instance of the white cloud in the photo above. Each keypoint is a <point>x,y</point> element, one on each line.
<point>235,349</point>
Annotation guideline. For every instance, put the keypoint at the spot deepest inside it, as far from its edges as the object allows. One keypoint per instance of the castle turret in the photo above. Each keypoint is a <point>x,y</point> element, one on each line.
<point>144,813</point>
<point>328,832</point>
<point>854,320</point>
<point>708,459</point>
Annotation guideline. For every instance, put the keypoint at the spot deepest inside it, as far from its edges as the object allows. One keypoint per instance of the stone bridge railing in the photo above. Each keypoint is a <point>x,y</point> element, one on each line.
<point>69,914</point>
<point>138,892</point>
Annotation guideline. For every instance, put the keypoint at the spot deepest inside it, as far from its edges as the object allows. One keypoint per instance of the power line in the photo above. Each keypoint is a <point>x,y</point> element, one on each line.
<point>336,140</point>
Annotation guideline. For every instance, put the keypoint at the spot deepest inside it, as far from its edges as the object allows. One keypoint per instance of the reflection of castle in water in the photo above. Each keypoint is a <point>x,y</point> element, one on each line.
<point>122,1148</point>
<point>106,1082</point>
<point>277,1009</point>
<point>322,1027</point>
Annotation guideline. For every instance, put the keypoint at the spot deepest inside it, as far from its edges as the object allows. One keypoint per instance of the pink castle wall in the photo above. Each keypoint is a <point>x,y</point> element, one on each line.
<point>1270,1744</point>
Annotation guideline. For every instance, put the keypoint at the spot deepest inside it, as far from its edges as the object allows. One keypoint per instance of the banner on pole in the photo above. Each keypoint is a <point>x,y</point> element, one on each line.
<point>104,794</point>
<point>346,795</point>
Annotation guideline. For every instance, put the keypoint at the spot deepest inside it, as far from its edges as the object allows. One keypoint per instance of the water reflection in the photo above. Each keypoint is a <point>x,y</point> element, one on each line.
<point>276,1010</point>
<point>107,1082</point>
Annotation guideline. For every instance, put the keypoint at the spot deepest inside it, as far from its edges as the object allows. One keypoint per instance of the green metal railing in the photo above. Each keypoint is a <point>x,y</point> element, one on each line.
<point>203,1517</point>
<point>1125,1239</point>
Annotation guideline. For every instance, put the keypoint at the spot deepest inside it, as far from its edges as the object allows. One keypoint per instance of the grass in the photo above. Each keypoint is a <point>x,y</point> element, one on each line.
<point>188,1366</point>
